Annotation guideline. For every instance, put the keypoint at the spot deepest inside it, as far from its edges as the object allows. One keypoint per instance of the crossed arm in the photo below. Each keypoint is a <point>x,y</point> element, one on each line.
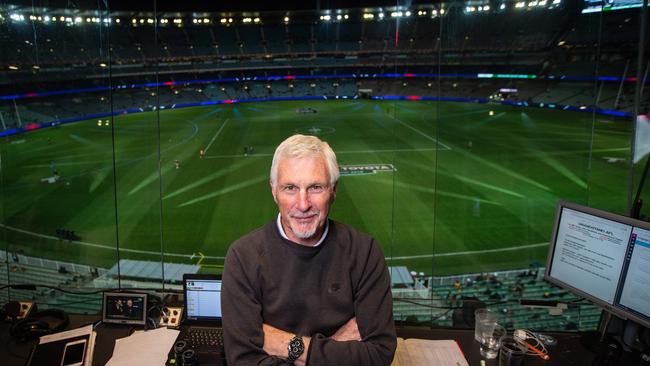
<point>277,340</point>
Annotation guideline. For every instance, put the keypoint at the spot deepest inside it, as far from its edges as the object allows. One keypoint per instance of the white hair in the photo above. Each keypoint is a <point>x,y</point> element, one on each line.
<point>298,146</point>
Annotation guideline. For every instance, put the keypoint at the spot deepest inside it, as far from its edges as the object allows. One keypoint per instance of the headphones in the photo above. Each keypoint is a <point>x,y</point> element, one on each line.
<point>39,324</point>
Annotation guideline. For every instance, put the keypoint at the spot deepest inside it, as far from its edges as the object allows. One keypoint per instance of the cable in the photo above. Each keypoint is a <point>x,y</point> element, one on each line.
<point>32,287</point>
<point>535,348</point>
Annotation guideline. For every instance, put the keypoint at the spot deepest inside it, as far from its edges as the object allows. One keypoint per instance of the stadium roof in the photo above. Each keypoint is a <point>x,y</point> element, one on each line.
<point>202,5</point>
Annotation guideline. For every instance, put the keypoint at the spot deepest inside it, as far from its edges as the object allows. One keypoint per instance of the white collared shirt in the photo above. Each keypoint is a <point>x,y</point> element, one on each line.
<point>284,235</point>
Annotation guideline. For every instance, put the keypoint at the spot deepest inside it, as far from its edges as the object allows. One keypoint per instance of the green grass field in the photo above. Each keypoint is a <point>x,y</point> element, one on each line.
<point>471,191</point>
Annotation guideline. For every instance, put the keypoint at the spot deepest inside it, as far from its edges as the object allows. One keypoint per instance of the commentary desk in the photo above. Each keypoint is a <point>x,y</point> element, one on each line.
<point>569,350</point>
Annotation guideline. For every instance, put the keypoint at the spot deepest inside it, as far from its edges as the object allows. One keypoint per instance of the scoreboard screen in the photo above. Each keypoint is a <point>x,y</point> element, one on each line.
<point>593,6</point>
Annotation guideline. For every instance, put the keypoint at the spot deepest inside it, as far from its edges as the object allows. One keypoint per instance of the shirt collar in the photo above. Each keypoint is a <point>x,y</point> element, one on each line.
<point>284,235</point>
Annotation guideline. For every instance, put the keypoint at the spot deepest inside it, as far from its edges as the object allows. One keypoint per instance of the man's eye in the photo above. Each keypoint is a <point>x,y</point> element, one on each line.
<point>316,189</point>
<point>289,188</point>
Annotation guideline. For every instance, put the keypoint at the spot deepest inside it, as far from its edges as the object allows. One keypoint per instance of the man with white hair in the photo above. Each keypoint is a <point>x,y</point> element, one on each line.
<point>304,289</point>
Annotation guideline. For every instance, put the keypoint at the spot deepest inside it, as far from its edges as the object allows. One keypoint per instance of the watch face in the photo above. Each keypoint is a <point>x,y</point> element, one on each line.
<point>296,347</point>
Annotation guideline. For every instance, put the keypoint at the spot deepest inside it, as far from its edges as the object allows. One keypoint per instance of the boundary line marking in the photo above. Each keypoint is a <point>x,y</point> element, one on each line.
<point>215,135</point>
<point>337,153</point>
<point>107,247</point>
<point>193,255</point>
<point>450,254</point>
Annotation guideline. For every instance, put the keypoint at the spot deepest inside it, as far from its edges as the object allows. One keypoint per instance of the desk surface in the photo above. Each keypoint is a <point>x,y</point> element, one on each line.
<point>569,350</point>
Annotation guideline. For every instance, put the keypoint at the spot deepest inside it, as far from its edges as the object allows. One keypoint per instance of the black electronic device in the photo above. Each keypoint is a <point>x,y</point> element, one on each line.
<point>39,324</point>
<point>124,308</point>
<point>603,257</point>
<point>201,330</point>
<point>74,353</point>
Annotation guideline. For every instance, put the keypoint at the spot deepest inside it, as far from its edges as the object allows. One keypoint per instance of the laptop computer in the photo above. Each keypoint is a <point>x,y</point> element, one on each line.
<point>201,330</point>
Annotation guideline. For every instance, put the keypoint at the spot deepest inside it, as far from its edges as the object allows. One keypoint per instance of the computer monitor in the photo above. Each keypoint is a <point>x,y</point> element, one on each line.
<point>603,257</point>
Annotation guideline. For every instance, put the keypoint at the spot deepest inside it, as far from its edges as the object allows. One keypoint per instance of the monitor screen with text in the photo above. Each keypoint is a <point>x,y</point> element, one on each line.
<point>603,257</point>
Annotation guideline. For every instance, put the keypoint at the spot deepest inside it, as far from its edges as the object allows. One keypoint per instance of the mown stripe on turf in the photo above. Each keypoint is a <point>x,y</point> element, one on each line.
<point>436,141</point>
<point>218,174</point>
<point>232,188</point>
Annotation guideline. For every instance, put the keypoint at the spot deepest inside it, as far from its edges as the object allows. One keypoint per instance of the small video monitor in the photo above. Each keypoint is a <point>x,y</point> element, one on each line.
<point>125,308</point>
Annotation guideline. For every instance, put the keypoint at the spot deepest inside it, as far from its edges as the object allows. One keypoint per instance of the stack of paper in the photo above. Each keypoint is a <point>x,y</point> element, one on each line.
<point>143,348</point>
<point>416,352</point>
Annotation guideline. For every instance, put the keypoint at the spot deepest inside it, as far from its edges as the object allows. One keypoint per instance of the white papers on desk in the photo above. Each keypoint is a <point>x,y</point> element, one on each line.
<point>143,348</point>
<point>424,352</point>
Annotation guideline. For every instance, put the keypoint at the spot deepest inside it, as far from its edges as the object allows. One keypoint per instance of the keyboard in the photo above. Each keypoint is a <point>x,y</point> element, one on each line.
<point>200,338</point>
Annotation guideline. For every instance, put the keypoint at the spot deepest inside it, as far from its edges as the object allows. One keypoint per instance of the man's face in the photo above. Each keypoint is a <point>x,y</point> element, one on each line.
<point>304,196</point>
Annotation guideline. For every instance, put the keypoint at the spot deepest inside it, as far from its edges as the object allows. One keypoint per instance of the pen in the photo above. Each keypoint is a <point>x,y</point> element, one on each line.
<point>541,354</point>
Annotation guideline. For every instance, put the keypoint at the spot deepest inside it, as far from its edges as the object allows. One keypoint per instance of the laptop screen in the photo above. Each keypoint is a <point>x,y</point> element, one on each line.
<point>202,297</point>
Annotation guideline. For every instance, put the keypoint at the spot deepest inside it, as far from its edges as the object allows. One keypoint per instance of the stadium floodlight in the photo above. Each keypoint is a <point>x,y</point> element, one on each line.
<point>470,9</point>
<point>286,19</point>
<point>541,3</point>
<point>556,2</point>
<point>13,67</point>
<point>345,16</point>
<point>142,20</point>
<point>68,19</point>
<point>247,20</point>
<point>442,11</point>
<point>88,20</point>
<point>422,12</point>
<point>178,21</point>
<point>368,16</point>
<point>62,18</point>
<point>503,6</point>
<point>532,3</point>
<point>78,20</point>
<point>102,65</point>
<point>520,4</point>
<point>46,18</point>
<point>117,20</point>
<point>206,20</point>
<point>17,17</point>
<point>149,21</point>
<point>223,20</point>
<point>32,17</point>
<point>486,7</point>
<point>561,43</point>
<point>381,15</point>
<point>396,14</point>
<point>256,20</point>
<point>339,17</point>
<point>407,14</point>
<point>326,17</point>
<point>229,20</point>
<point>434,13</point>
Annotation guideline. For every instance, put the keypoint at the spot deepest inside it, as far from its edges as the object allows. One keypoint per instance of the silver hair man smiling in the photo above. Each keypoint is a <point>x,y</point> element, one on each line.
<point>305,289</point>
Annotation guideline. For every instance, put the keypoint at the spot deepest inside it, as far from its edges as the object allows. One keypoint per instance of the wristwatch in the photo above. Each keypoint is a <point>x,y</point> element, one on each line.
<point>296,348</point>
